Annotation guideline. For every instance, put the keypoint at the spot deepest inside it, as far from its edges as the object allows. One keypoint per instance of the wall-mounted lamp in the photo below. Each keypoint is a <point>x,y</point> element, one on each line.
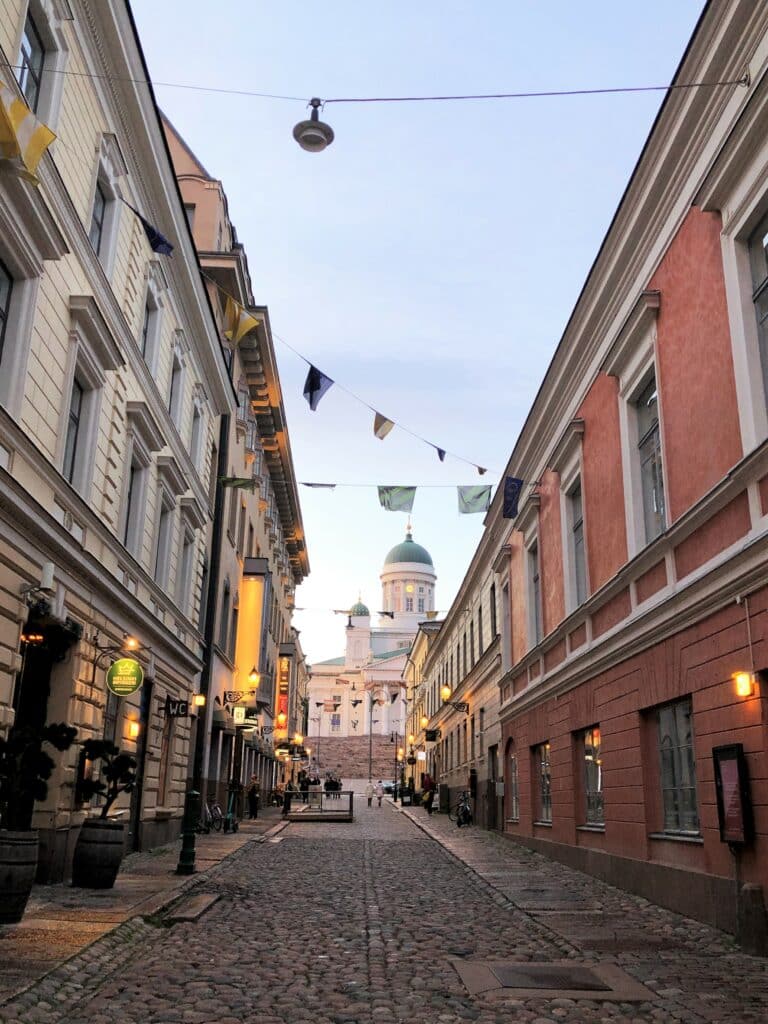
<point>254,676</point>
<point>282,718</point>
<point>445,692</point>
<point>411,738</point>
<point>298,738</point>
<point>198,700</point>
<point>424,721</point>
<point>133,730</point>
<point>744,683</point>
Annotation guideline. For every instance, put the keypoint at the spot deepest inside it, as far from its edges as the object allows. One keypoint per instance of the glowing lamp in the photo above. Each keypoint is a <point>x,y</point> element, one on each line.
<point>282,718</point>
<point>411,738</point>
<point>133,730</point>
<point>445,692</point>
<point>298,739</point>
<point>130,643</point>
<point>198,700</point>
<point>424,721</point>
<point>253,676</point>
<point>744,683</point>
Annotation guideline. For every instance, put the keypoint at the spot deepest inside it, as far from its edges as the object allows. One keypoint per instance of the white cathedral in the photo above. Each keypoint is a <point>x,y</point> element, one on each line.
<point>362,691</point>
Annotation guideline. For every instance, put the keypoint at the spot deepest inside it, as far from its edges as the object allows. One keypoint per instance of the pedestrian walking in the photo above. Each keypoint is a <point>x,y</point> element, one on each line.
<point>253,793</point>
<point>428,786</point>
<point>369,793</point>
<point>379,791</point>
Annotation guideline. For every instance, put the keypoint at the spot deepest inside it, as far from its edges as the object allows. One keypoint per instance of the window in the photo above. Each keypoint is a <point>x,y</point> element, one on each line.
<point>472,643</point>
<point>232,647</point>
<point>196,436</point>
<point>6,289</point>
<point>31,61</point>
<point>213,462</point>
<point>464,654</point>
<point>678,769</point>
<point>185,572</point>
<point>593,777</point>
<point>73,429</point>
<point>335,722</point>
<point>543,777</point>
<point>480,631</point>
<point>224,617</point>
<point>577,544</point>
<point>98,215</point>
<point>492,606</point>
<point>241,531</point>
<point>513,799</point>
<point>234,504</point>
<point>534,593</point>
<point>163,542</point>
<point>421,604</point>
<point>189,210</point>
<point>176,395</point>
<point>649,447</point>
<point>409,604</point>
<point>758,254</point>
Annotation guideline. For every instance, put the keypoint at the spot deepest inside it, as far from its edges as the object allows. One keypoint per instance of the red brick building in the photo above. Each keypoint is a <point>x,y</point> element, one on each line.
<point>634,580</point>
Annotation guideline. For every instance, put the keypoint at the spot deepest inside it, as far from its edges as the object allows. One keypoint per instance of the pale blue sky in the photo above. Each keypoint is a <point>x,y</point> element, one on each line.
<point>430,258</point>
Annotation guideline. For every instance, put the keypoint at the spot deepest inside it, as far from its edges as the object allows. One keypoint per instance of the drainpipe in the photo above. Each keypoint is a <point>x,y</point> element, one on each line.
<point>186,864</point>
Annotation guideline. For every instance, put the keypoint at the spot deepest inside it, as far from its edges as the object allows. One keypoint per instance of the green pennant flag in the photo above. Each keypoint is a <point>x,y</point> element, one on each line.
<point>246,483</point>
<point>397,499</point>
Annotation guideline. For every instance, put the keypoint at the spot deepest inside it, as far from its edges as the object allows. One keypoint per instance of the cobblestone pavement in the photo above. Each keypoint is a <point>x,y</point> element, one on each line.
<point>359,924</point>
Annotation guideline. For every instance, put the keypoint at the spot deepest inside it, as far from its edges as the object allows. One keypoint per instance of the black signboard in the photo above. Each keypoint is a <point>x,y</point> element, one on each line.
<point>734,803</point>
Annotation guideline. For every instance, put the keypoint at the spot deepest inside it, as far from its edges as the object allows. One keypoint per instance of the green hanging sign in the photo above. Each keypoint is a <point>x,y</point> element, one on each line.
<point>124,677</point>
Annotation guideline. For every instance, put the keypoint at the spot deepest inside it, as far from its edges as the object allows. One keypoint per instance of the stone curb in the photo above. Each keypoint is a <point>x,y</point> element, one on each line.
<point>152,906</point>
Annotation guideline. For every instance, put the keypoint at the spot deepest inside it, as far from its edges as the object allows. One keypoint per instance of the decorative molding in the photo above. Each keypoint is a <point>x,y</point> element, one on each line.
<point>635,332</point>
<point>88,320</point>
<point>145,425</point>
<point>567,446</point>
<point>28,229</point>
<point>169,472</point>
<point>529,512</point>
<point>502,559</point>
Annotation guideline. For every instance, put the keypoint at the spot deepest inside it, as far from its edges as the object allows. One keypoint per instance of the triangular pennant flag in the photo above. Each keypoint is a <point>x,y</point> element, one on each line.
<point>237,321</point>
<point>474,499</point>
<point>440,453</point>
<point>328,487</point>
<point>381,426</point>
<point>157,242</point>
<point>316,386</point>
<point>512,487</point>
<point>243,482</point>
<point>481,470</point>
<point>397,499</point>
<point>23,139</point>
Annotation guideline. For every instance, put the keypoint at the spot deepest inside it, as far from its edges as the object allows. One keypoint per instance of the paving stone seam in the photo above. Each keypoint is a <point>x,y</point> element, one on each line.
<point>498,896</point>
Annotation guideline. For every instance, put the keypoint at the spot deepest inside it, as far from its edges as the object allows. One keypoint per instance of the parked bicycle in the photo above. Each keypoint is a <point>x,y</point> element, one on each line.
<point>462,812</point>
<point>211,817</point>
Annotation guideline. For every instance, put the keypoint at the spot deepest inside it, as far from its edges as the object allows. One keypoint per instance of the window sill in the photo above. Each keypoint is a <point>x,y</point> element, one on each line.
<point>590,828</point>
<point>678,837</point>
<point>512,821</point>
<point>542,824</point>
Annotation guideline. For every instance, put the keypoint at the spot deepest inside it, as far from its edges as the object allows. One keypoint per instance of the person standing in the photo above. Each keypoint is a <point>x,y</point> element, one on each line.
<point>369,793</point>
<point>379,791</point>
<point>253,792</point>
<point>428,786</point>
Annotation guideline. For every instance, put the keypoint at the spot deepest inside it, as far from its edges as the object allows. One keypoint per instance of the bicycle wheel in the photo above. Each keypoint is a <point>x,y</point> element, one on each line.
<point>217,819</point>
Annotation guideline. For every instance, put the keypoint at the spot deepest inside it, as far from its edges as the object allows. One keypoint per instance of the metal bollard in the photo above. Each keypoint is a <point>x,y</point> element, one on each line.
<point>186,864</point>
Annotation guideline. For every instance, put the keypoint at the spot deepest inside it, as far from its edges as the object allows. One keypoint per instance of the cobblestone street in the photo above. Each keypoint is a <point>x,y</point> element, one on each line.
<point>333,923</point>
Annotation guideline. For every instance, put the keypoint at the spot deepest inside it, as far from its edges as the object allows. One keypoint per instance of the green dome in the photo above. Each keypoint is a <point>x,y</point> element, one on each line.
<point>359,609</point>
<point>408,551</point>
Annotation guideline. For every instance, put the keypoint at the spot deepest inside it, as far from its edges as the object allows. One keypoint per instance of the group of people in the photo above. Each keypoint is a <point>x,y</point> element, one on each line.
<point>377,791</point>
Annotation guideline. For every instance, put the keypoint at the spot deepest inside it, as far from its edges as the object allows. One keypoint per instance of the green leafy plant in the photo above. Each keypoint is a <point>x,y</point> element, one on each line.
<point>25,769</point>
<point>117,775</point>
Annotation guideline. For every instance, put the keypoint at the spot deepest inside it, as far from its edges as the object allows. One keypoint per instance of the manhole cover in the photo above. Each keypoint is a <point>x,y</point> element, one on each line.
<point>574,979</point>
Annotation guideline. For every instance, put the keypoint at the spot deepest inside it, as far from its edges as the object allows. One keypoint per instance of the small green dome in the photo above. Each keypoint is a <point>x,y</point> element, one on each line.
<point>408,551</point>
<point>358,609</point>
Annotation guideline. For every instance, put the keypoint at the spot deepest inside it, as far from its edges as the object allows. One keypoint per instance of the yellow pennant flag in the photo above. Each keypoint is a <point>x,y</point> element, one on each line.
<point>237,321</point>
<point>23,139</point>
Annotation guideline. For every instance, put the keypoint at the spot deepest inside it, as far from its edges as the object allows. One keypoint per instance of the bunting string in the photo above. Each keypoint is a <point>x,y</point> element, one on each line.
<point>318,384</point>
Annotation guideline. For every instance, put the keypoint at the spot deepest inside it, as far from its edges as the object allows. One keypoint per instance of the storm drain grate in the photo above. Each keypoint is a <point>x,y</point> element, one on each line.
<point>574,978</point>
<point>556,979</point>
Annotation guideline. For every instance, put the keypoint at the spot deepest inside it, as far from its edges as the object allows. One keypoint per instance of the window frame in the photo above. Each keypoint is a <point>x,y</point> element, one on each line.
<point>47,17</point>
<point>25,72</point>
<point>677,829</point>
<point>648,450</point>
<point>593,810</point>
<point>110,166</point>
<point>6,309</point>
<point>164,537</point>
<point>542,776</point>
<point>513,784</point>
<point>533,587</point>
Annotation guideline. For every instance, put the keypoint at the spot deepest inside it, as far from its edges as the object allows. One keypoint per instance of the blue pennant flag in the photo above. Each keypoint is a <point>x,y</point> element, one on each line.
<point>316,386</point>
<point>512,487</point>
<point>157,242</point>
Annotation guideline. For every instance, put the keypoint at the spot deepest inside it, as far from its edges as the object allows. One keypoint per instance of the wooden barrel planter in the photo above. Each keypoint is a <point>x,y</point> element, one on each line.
<point>98,853</point>
<point>18,864</point>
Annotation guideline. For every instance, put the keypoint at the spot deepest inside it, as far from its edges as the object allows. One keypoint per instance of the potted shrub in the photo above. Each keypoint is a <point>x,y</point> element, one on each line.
<point>100,845</point>
<point>24,772</point>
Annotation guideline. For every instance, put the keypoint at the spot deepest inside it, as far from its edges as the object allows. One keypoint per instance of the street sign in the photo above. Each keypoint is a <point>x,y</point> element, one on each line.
<point>239,715</point>
<point>124,676</point>
<point>232,696</point>
<point>173,708</point>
